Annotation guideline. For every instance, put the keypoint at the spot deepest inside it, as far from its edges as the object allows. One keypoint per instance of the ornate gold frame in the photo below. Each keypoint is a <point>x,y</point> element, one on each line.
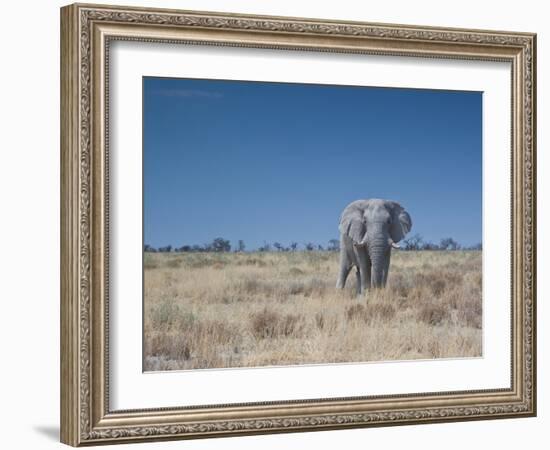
<point>86,31</point>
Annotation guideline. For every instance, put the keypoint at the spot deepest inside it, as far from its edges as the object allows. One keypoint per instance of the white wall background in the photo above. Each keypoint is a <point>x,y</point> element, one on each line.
<point>29,229</point>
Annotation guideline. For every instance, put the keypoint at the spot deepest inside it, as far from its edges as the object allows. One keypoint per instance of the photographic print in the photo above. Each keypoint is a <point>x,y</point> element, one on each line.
<point>290,224</point>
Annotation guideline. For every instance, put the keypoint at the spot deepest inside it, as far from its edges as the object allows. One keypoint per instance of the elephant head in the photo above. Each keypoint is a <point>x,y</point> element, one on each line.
<point>374,226</point>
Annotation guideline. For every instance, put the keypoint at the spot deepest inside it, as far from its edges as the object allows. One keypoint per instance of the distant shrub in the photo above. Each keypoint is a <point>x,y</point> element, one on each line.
<point>198,261</point>
<point>250,286</point>
<point>429,246</point>
<point>400,284</point>
<point>356,312</point>
<point>189,338</point>
<point>294,271</point>
<point>437,286</point>
<point>264,324</point>
<point>251,261</point>
<point>265,248</point>
<point>414,242</point>
<point>268,324</point>
<point>240,246</point>
<point>473,318</point>
<point>296,287</point>
<point>433,314</point>
<point>150,262</point>
<point>371,312</point>
<point>164,314</point>
<point>290,325</point>
<point>383,311</point>
<point>471,313</point>
<point>174,263</point>
<point>333,245</point>
<point>220,245</point>
<point>449,244</point>
<point>181,348</point>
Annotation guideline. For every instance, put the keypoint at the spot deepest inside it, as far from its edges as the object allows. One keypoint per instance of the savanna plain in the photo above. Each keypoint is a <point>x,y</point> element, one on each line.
<point>220,310</point>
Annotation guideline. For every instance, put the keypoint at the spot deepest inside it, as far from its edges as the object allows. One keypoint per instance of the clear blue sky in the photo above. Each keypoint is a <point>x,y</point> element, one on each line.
<point>279,161</point>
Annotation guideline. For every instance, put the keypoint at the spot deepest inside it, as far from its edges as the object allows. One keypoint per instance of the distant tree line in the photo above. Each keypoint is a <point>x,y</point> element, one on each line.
<point>417,242</point>
<point>221,245</point>
<point>217,245</point>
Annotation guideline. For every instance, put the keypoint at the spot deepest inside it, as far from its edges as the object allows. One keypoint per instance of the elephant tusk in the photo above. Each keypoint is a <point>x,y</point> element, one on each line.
<point>393,244</point>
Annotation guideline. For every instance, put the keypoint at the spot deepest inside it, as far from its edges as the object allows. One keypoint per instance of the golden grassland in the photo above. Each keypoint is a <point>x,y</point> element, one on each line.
<point>214,310</point>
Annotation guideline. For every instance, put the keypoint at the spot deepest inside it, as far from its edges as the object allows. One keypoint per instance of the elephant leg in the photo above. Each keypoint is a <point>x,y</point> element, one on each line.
<point>342,276</point>
<point>358,276</point>
<point>386,269</point>
<point>345,267</point>
<point>362,258</point>
<point>368,273</point>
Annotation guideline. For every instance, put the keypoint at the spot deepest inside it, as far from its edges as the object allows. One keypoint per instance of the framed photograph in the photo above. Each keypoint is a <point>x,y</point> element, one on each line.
<point>276,224</point>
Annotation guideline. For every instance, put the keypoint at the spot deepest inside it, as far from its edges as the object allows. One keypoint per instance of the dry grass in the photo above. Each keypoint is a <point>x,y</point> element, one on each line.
<point>242,310</point>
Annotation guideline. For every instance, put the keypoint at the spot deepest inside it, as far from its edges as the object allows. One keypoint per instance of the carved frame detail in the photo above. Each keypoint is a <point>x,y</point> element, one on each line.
<point>86,33</point>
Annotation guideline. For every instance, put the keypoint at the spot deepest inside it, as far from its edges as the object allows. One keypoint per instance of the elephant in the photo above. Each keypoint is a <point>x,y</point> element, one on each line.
<point>369,229</point>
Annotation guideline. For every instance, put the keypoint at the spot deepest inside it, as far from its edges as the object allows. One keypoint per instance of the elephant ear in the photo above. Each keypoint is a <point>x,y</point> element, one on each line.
<point>401,222</point>
<point>352,224</point>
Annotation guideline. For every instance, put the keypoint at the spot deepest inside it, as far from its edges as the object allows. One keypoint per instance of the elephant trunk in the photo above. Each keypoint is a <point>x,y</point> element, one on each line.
<point>379,252</point>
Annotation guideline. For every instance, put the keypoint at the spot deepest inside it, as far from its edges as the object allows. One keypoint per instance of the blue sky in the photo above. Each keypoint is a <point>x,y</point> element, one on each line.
<point>278,162</point>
